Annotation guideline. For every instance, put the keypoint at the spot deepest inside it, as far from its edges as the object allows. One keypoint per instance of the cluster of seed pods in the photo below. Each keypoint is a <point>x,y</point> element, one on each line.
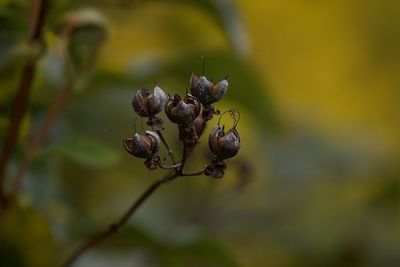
<point>190,112</point>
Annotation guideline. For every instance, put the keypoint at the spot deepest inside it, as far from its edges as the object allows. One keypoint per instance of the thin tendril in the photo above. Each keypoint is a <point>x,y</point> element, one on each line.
<point>232,112</point>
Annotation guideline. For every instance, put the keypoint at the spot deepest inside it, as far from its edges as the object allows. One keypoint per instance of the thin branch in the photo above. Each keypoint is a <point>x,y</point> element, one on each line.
<point>170,167</point>
<point>188,148</point>
<point>185,154</point>
<point>114,227</point>
<point>170,152</point>
<point>193,174</point>
<point>21,99</point>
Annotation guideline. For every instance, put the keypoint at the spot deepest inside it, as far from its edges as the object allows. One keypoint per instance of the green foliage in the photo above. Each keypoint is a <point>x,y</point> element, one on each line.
<point>86,151</point>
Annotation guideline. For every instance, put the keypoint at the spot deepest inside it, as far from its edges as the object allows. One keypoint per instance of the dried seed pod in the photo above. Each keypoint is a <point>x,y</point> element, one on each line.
<point>148,104</point>
<point>206,91</point>
<point>143,146</point>
<point>225,145</point>
<point>182,110</point>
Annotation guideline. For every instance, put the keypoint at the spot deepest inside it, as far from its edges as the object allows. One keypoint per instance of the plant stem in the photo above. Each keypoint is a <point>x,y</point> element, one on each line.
<point>170,167</point>
<point>170,152</point>
<point>193,174</point>
<point>37,142</point>
<point>21,100</point>
<point>22,96</point>
<point>114,227</point>
<point>51,116</point>
<point>188,148</point>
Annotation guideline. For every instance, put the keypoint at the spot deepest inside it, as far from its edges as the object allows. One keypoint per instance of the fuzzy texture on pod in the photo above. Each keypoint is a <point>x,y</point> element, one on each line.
<point>205,91</point>
<point>147,104</point>
<point>182,110</point>
<point>143,146</point>
<point>224,145</point>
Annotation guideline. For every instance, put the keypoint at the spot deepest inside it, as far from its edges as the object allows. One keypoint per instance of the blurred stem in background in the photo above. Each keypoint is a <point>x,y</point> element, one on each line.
<point>71,28</point>
<point>21,100</point>
<point>38,139</point>
<point>52,114</point>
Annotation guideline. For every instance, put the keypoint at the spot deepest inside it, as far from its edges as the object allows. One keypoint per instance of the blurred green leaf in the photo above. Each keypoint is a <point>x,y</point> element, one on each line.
<point>88,152</point>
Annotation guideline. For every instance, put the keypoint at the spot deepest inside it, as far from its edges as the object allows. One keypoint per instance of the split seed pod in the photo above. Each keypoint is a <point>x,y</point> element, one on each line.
<point>182,110</point>
<point>142,146</point>
<point>206,91</point>
<point>148,104</point>
<point>225,145</point>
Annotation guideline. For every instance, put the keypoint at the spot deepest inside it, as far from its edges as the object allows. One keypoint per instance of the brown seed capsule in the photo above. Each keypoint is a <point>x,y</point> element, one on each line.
<point>206,91</point>
<point>224,145</point>
<point>142,146</point>
<point>182,110</point>
<point>147,104</point>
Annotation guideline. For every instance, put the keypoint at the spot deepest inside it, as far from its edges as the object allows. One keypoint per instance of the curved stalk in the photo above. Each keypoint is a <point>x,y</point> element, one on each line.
<point>114,227</point>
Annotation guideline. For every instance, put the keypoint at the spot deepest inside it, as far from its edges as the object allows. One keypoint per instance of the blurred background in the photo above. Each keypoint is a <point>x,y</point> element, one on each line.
<point>316,182</point>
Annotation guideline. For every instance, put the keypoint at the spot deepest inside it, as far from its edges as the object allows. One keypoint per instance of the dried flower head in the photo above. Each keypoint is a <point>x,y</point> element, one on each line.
<point>143,146</point>
<point>225,145</point>
<point>182,110</point>
<point>148,104</point>
<point>206,91</point>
